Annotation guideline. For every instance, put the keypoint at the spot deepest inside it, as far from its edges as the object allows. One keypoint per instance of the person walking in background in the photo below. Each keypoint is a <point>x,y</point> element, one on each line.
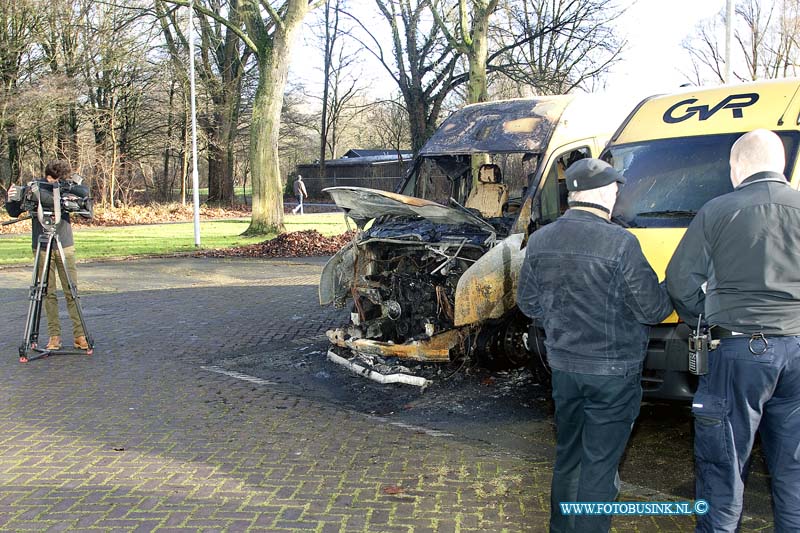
<point>589,283</point>
<point>299,193</point>
<point>738,265</point>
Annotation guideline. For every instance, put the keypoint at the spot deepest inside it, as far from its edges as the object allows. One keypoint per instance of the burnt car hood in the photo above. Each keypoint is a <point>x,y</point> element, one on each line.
<point>362,204</point>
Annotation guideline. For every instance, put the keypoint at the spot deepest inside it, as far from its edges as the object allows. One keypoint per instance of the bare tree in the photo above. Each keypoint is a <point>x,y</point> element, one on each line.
<point>269,32</point>
<point>388,125</point>
<point>470,37</point>
<point>18,21</point>
<point>331,35</point>
<point>221,69</point>
<point>421,62</point>
<point>61,37</point>
<point>556,46</point>
<point>341,86</point>
<point>299,133</point>
<point>117,78</point>
<point>766,32</point>
<point>705,53</point>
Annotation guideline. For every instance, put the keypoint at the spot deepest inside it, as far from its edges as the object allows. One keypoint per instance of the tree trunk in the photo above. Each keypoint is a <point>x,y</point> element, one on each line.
<point>273,69</point>
<point>323,129</point>
<point>477,85</point>
<point>227,136</point>
<point>418,122</point>
<point>164,191</point>
<point>221,137</point>
<point>113,174</point>
<point>67,134</point>
<point>12,139</point>
<point>214,156</point>
<point>477,90</point>
<point>267,215</point>
<point>186,148</point>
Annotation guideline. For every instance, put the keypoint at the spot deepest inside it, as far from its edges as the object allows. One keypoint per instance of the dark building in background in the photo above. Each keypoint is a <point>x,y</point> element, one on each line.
<point>374,169</point>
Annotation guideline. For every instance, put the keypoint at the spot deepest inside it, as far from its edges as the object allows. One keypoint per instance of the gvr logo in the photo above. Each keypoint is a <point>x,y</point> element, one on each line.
<point>734,102</point>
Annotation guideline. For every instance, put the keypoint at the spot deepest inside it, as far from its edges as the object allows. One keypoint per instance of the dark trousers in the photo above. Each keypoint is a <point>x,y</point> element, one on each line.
<point>744,393</point>
<point>594,418</point>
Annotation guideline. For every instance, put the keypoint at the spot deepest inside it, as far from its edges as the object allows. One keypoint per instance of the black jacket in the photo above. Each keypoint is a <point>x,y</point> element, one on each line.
<point>64,230</point>
<point>746,246</point>
<point>589,282</point>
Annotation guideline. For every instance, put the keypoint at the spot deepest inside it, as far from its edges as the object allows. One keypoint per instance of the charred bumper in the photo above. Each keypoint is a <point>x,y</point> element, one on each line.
<point>435,349</point>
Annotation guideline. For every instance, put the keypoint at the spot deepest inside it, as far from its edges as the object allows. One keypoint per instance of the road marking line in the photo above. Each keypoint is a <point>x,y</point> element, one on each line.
<point>238,375</point>
<point>410,427</point>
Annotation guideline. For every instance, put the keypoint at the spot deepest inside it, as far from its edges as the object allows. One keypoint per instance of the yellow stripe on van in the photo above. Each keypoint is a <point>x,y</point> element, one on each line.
<point>658,245</point>
<point>727,109</point>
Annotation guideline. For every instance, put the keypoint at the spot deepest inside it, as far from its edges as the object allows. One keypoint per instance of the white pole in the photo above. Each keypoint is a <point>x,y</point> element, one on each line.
<point>195,178</point>
<point>728,39</point>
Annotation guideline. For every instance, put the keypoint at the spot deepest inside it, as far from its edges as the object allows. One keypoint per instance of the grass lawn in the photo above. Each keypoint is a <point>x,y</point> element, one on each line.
<point>125,241</point>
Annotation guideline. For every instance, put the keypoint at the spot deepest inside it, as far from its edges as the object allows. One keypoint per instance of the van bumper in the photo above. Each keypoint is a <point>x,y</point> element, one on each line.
<point>666,367</point>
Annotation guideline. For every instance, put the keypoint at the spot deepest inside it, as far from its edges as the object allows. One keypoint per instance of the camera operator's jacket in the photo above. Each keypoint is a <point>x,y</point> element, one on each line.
<point>64,230</point>
<point>744,244</point>
<point>590,285</point>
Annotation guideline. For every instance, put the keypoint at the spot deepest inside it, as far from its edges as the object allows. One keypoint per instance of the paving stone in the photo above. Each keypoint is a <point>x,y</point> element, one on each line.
<point>139,437</point>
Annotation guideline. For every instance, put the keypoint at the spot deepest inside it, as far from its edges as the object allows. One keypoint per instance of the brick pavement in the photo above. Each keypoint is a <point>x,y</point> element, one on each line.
<point>140,437</point>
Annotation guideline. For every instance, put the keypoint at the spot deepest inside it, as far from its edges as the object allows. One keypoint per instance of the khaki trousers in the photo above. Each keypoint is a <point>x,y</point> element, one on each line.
<point>50,301</point>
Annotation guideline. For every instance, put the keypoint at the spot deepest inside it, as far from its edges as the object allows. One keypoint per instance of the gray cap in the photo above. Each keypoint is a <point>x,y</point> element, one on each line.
<point>589,173</point>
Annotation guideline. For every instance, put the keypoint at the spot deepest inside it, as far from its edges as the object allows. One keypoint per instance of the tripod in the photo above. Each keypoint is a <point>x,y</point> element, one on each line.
<point>49,241</point>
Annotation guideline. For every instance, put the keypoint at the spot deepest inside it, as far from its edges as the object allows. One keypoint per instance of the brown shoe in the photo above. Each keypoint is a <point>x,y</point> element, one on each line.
<point>81,343</point>
<point>54,343</point>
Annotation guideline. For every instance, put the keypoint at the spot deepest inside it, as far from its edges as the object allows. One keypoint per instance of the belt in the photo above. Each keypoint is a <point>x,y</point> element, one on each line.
<point>722,333</point>
<point>757,343</point>
<point>718,332</point>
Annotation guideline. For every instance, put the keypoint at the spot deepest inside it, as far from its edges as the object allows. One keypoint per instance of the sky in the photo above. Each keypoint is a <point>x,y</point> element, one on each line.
<point>654,60</point>
<point>652,63</point>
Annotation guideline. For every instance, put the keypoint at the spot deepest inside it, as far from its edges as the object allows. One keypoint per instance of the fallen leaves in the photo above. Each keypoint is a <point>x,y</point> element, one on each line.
<point>295,244</point>
<point>393,489</point>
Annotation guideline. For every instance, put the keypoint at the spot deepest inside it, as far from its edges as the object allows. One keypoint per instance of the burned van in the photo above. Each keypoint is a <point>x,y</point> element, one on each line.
<point>431,273</point>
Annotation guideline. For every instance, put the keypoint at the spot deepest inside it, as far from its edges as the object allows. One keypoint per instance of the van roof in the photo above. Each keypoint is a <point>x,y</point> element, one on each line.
<point>591,115</point>
<point>773,104</point>
<point>518,125</point>
<point>527,124</point>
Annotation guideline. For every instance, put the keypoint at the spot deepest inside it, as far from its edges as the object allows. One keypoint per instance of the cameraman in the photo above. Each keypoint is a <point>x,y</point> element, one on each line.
<point>56,172</point>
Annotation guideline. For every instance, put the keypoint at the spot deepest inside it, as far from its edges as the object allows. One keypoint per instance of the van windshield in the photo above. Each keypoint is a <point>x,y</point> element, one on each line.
<point>669,180</point>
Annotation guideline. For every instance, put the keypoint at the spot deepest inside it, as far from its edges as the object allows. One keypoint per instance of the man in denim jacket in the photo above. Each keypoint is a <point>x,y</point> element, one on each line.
<point>589,285</point>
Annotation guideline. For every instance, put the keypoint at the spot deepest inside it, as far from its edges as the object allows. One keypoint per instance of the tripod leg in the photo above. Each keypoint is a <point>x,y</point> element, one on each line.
<point>39,286</point>
<point>73,291</point>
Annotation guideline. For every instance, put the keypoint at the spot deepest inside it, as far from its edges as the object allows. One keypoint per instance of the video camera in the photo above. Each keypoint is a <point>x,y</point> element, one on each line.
<point>75,197</point>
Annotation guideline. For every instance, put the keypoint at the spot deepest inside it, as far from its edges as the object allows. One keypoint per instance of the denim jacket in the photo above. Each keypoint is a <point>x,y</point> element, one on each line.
<point>594,292</point>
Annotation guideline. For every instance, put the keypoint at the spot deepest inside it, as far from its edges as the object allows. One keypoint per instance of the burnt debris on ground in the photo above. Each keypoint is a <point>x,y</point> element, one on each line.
<point>306,243</point>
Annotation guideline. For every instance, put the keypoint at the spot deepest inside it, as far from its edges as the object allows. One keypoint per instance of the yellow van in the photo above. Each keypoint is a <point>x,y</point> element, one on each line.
<point>674,151</point>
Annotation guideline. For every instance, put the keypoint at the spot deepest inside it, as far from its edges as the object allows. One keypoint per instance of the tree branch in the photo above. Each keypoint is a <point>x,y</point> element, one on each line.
<point>222,20</point>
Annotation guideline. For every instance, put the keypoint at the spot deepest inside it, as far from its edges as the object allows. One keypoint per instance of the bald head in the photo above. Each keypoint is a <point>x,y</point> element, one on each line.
<point>757,151</point>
